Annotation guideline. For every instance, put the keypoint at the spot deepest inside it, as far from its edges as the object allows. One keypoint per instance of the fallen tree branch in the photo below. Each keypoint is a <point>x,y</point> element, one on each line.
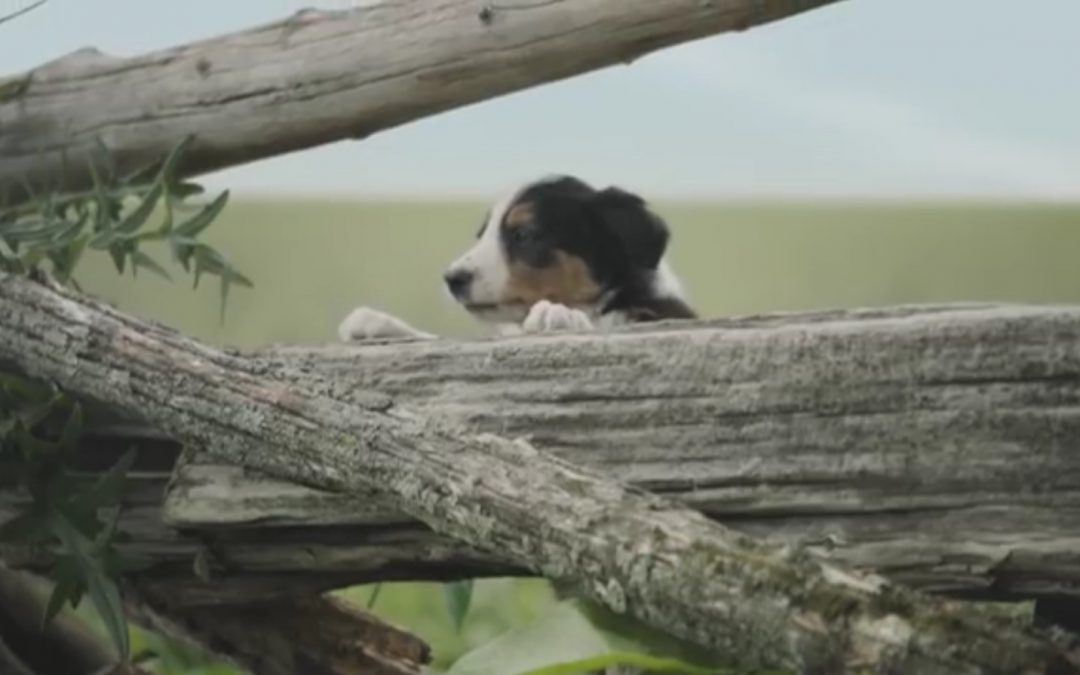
<point>287,635</point>
<point>10,16</point>
<point>757,606</point>
<point>908,441</point>
<point>319,77</point>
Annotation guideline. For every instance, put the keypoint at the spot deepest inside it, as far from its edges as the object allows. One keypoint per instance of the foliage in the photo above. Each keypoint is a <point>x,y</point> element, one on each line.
<point>113,217</point>
<point>570,639</point>
<point>458,597</point>
<point>71,513</point>
<point>495,606</point>
<point>75,516</point>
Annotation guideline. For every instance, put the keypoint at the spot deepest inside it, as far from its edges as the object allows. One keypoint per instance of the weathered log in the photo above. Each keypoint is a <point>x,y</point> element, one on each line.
<point>935,445</point>
<point>757,606</point>
<point>319,77</point>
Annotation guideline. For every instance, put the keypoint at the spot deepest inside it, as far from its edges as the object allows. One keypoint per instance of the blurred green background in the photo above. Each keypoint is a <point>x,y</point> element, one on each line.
<point>313,260</point>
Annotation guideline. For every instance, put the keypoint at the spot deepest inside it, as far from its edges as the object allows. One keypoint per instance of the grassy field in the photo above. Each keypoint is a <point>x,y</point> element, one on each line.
<point>312,261</point>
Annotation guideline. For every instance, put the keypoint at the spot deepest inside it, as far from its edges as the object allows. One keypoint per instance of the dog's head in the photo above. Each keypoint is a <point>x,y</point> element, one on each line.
<point>560,240</point>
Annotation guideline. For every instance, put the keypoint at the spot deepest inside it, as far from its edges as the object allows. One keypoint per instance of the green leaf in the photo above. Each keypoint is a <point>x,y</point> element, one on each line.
<point>119,255</point>
<point>565,641</point>
<point>185,190</point>
<point>643,662</point>
<point>201,220</point>
<point>458,596</point>
<point>101,201</point>
<point>374,595</point>
<point>109,488</point>
<point>209,261</point>
<point>32,257</point>
<point>140,259</point>
<point>30,446</point>
<point>30,528</point>
<point>105,537</point>
<point>32,232</point>
<point>69,589</point>
<point>560,635</point>
<point>106,598</point>
<point>138,217</point>
<point>66,257</point>
<point>103,592</point>
<point>183,248</point>
<point>72,429</point>
<point>35,411</point>
<point>168,167</point>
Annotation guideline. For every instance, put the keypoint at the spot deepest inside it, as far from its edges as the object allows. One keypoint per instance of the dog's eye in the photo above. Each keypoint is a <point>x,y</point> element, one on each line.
<point>522,235</point>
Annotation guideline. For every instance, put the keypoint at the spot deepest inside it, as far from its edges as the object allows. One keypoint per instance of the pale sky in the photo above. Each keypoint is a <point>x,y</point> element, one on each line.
<point>867,97</point>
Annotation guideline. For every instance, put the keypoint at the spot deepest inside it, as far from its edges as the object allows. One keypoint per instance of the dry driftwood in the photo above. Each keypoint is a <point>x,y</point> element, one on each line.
<point>319,77</point>
<point>757,606</point>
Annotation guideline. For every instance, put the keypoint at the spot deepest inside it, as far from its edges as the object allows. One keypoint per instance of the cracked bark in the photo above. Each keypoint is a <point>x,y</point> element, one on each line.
<point>758,606</point>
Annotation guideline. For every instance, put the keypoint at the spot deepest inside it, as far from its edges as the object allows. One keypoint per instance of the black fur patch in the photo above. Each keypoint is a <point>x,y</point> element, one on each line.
<point>611,230</point>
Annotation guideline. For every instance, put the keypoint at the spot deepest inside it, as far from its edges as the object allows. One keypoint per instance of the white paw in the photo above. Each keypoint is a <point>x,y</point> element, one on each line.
<point>546,317</point>
<point>365,323</point>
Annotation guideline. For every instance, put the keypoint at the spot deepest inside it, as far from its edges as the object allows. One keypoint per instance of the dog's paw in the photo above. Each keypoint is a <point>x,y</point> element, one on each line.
<point>364,324</point>
<point>548,317</point>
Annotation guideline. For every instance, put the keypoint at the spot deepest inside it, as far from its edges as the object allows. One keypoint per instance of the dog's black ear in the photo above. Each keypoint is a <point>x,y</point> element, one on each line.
<point>640,234</point>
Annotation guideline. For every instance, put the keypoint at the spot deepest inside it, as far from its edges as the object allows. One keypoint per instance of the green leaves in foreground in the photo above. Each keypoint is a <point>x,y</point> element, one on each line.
<point>569,640</point>
<point>458,596</point>
<point>117,217</point>
<point>73,515</point>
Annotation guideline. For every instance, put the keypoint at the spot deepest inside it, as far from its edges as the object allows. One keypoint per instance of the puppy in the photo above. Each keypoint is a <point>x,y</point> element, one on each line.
<point>555,255</point>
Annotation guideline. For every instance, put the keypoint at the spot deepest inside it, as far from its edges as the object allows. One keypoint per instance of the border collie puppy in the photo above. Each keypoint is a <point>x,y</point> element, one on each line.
<point>555,255</point>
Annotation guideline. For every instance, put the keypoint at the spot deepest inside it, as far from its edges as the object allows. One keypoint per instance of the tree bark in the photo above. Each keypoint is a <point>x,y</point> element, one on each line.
<point>757,606</point>
<point>319,77</point>
<point>934,445</point>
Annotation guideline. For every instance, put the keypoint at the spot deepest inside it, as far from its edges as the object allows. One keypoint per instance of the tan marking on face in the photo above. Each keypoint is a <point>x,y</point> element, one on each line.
<point>520,215</point>
<point>566,281</point>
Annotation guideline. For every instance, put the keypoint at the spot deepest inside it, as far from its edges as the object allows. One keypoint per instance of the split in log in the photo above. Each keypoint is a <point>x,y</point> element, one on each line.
<point>757,606</point>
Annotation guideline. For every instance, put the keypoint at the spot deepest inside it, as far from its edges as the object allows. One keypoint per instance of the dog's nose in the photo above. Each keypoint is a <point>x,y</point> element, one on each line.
<point>458,281</point>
